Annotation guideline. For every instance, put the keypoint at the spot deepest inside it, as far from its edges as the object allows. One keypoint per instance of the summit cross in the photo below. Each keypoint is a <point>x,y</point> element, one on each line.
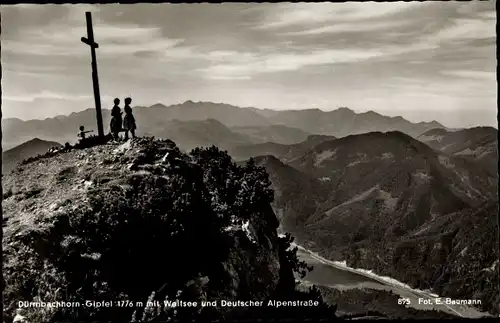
<point>95,80</point>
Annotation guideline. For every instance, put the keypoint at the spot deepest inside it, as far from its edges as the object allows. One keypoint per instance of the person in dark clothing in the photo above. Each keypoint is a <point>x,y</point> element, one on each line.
<point>116,120</point>
<point>67,147</point>
<point>83,133</point>
<point>129,120</point>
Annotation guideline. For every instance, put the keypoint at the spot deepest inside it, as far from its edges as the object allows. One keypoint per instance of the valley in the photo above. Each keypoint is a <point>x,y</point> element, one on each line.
<point>391,204</point>
<point>334,276</point>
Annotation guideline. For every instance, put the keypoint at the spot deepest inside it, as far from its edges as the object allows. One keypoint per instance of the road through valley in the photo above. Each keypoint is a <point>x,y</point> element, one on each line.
<point>335,275</point>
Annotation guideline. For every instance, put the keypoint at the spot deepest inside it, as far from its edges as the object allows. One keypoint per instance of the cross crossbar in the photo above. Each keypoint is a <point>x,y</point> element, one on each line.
<point>88,42</point>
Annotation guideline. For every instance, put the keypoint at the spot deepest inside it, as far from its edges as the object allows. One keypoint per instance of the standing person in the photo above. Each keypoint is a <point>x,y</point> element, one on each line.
<point>129,120</point>
<point>116,120</point>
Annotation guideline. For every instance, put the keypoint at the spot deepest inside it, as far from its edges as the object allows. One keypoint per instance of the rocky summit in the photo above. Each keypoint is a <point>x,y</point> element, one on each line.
<point>145,226</point>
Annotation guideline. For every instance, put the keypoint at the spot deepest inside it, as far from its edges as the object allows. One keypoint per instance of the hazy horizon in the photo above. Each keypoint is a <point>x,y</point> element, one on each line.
<point>62,115</point>
<point>422,61</point>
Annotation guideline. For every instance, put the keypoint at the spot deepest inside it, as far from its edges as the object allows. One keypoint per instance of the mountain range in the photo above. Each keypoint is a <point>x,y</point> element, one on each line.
<point>344,121</point>
<point>416,202</point>
<point>259,126</point>
<point>392,204</point>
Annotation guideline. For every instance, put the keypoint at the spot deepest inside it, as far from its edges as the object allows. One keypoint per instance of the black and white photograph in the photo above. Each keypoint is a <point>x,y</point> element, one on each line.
<point>235,162</point>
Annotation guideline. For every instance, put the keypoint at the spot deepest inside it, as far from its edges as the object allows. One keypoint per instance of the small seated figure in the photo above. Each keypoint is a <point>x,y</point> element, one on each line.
<point>67,147</point>
<point>82,133</point>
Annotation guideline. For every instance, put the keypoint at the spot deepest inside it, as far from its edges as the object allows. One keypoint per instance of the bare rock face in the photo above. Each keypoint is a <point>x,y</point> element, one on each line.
<point>136,222</point>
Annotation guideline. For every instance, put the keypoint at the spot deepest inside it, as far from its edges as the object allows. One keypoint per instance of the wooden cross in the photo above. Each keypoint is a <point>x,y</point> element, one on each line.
<point>95,80</point>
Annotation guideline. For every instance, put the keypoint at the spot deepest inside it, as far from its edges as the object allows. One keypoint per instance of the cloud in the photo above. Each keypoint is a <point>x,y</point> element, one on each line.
<point>468,74</point>
<point>27,6</point>
<point>491,15</point>
<point>57,41</point>
<point>244,65</point>
<point>222,77</point>
<point>456,86</point>
<point>236,65</point>
<point>76,13</point>
<point>286,15</point>
<point>464,29</point>
<point>17,69</point>
<point>349,27</point>
<point>224,54</point>
<point>32,97</point>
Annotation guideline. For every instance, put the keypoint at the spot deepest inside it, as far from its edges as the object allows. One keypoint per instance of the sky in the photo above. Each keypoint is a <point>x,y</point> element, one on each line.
<point>423,61</point>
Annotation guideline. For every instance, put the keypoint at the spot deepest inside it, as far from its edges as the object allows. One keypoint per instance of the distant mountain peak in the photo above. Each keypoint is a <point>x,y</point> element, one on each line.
<point>267,159</point>
<point>373,137</point>
<point>315,136</point>
<point>35,141</point>
<point>488,128</point>
<point>30,148</point>
<point>191,103</point>
<point>214,122</point>
<point>434,122</point>
<point>398,134</point>
<point>13,119</point>
<point>433,132</point>
<point>371,112</point>
<point>158,105</point>
<point>343,110</point>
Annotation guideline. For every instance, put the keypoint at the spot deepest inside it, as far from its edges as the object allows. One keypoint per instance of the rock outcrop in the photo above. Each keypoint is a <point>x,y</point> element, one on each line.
<point>140,222</point>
